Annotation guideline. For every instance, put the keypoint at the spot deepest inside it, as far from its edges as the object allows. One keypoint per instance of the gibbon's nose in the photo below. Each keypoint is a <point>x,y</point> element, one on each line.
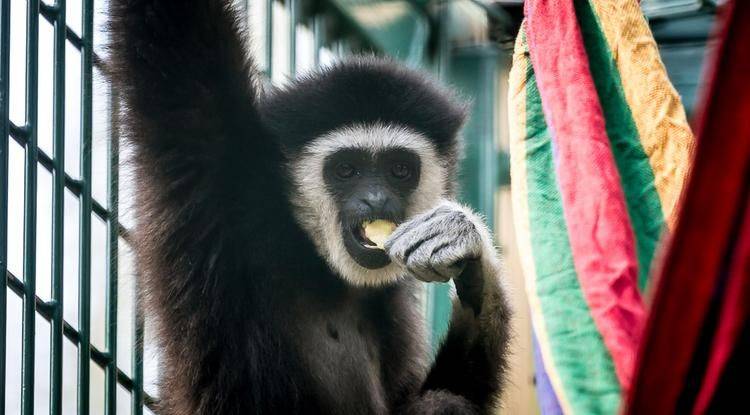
<point>377,201</point>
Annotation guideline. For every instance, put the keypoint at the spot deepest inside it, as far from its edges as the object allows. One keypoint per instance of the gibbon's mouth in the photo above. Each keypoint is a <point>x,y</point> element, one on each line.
<point>359,233</point>
<point>364,251</point>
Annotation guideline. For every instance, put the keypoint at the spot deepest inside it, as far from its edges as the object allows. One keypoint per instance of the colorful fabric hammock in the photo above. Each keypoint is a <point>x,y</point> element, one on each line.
<point>694,357</point>
<point>599,152</point>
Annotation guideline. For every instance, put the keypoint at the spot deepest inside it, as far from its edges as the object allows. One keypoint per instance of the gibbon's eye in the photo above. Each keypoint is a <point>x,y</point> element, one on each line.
<point>400,171</point>
<point>345,171</point>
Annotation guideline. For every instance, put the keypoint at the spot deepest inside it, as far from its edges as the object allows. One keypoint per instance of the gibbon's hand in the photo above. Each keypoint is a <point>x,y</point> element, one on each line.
<point>437,245</point>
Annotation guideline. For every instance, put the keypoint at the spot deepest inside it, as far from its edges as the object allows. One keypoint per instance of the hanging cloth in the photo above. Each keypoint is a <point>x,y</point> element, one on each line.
<point>694,357</point>
<point>600,147</point>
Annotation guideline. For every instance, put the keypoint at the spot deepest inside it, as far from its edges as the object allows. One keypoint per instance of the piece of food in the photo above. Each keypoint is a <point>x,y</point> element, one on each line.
<point>378,231</point>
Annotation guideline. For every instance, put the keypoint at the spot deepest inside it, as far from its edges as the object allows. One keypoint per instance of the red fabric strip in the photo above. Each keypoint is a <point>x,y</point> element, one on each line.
<point>600,232</point>
<point>735,311</point>
<point>710,208</point>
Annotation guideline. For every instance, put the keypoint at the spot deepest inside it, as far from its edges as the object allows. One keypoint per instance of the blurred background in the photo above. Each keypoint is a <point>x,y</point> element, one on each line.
<point>72,336</point>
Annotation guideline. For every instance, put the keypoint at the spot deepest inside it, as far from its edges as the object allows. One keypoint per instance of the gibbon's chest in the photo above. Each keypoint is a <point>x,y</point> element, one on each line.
<point>339,347</point>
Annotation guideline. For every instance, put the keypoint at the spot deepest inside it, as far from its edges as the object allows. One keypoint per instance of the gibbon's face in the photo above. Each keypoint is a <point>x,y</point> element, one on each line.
<point>368,186</point>
<point>357,174</point>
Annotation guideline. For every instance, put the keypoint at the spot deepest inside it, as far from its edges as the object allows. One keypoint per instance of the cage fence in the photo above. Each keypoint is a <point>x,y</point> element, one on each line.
<point>61,230</point>
<point>71,335</point>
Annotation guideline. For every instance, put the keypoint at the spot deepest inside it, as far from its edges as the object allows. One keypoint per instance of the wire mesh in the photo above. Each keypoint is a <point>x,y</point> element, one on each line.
<point>36,159</point>
<point>72,176</point>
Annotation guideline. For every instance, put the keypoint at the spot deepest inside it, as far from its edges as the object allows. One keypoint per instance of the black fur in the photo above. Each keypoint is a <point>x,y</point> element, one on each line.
<point>363,90</point>
<point>249,317</point>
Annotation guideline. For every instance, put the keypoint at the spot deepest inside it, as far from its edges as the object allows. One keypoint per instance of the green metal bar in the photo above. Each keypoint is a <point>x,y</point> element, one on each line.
<point>47,309</point>
<point>269,38</point>
<point>319,25</point>
<point>473,72</point>
<point>84,281</point>
<point>58,193</point>
<point>292,6</point>
<point>113,229</point>
<point>29,231</point>
<point>137,396</point>
<point>443,63</point>
<point>4,144</point>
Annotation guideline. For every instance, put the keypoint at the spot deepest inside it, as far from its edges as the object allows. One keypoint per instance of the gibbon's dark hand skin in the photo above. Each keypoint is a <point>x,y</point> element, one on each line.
<point>266,295</point>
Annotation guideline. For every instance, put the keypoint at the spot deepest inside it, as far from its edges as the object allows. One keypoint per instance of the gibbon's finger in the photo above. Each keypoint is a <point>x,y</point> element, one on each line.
<point>401,250</point>
<point>413,232</point>
<point>400,246</point>
<point>424,251</point>
<point>424,272</point>
<point>449,269</point>
<point>442,252</point>
<point>450,226</point>
<point>421,218</point>
<point>451,256</point>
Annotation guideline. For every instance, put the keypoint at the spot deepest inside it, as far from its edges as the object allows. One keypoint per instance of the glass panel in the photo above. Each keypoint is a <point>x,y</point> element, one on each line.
<point>44,234</point>
<point>280,46</point>
<point>125,306</point>
<point>72,110</point>
<point>17,77</point>
<point>123,401</point>
<point>658,8</point>
<point>74,15</point>
<point>96,389</point>
<point>257,17</point>
<point>101,36</point>
<point>71,237</point>
<point>100,137</point>
<point>126,187</point>
<point>16,163</point>
<point>305,55</point>
<point>42,366</point>
<point>46,72</point>
<point>69,377</point>
<point>327,57</point>
<point>150,360</point>
<point>13,354</point>
<point>98,281</point>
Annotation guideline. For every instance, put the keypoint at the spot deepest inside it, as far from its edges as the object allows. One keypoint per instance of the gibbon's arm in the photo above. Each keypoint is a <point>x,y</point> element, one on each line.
<point>451,242</point>
<point>471,361</point>
<point>210,202</point>
<point>204,159</point>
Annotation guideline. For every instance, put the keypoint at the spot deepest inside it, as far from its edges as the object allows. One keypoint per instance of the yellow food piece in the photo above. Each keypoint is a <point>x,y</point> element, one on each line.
<point>378,231</point>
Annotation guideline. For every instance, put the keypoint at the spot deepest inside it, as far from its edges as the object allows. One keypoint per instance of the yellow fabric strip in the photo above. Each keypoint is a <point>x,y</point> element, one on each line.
<point>517,124</point>
<point>656,106</point>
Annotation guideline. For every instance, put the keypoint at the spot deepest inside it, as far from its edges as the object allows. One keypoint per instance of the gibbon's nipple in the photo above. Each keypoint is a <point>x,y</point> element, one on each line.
<point>377,232</point>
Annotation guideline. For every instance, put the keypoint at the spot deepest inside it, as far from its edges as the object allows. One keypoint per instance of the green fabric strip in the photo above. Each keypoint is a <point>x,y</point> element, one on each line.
<point>579,355</point>
<point>644,205</point>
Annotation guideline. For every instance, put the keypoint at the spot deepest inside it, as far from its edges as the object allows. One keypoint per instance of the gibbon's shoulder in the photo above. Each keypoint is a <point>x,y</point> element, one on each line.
<point>363,90</point>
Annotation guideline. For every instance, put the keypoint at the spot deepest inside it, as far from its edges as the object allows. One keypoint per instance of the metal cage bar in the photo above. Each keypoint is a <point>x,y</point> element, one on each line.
<point>4,144</point>
<point>269,38</point>
<point>292,6</point>
<point>84,281</point>
<point>110,375</point>
<point>30,207</point>
<point>24,286</point>
<point>58,208</point>
<point>138,394</point>
<point>318,36</point>
<point>113,228</point>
